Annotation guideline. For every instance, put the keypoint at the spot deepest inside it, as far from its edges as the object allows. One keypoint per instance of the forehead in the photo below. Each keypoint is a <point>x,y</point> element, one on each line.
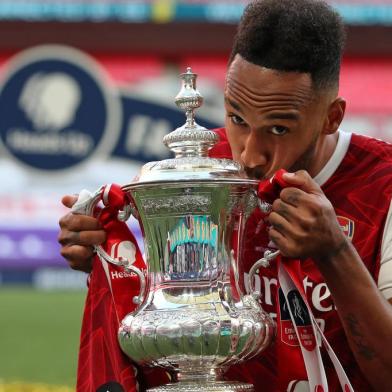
<point>253,82</point>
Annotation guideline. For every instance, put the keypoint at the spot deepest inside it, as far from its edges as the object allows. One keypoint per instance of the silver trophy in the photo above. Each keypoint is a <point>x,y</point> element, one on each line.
<point>194,316</point>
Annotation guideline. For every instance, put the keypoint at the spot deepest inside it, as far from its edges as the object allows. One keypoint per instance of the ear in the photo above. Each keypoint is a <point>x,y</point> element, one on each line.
<point>335,115</point>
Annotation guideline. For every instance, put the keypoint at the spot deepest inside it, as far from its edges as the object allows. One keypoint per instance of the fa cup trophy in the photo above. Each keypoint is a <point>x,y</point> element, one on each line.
<point>194,315</point>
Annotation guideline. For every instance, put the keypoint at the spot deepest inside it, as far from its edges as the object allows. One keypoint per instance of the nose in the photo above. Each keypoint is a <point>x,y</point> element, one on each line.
<point>253,154</point>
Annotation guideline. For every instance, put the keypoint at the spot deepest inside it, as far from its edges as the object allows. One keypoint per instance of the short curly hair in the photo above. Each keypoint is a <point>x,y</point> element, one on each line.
<point>304,36</point>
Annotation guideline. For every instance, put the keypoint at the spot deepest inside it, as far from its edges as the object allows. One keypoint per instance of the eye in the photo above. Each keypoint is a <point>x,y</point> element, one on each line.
<point>237,120</point>
<point>279,130</point>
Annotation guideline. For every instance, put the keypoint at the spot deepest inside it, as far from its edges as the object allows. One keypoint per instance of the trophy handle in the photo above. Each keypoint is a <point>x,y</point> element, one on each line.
<point>264,262</point>
<point>85,205</point>
<point>264,206</point>
<point>123,262</point>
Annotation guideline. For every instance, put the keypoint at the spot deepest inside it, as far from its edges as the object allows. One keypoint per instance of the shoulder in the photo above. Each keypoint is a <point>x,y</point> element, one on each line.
<point>362,183</point>
<point>371,148</point>
<point>369,160</point>
<point>222,148</point>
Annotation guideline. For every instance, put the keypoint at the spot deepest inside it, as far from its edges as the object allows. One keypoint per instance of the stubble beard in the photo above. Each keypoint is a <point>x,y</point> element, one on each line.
<point>304,162</point>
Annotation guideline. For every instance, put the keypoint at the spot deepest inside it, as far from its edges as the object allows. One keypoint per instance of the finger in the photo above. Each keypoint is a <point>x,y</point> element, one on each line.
<point>84,238</point>
<point>282,243</point>
<point>300,220</point>
<point>302,180</point>
<point>75,222</point>
<point>78,257</point>
<point>280,224</point>
<point>69,200</point>
<point>286,210</point>
<point>92,237</point>
<point>293,196</point>
<point>277,238</point>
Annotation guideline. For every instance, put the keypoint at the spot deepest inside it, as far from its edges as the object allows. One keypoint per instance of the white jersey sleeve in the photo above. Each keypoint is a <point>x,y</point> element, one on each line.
<point>385,276</point>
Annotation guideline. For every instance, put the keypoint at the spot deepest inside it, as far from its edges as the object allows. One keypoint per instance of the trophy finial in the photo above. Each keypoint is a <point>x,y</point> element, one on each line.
<point>189,98</point>
<point>191,139</point>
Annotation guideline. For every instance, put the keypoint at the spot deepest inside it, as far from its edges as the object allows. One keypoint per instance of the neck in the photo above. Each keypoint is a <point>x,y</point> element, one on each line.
<point>325,147</point>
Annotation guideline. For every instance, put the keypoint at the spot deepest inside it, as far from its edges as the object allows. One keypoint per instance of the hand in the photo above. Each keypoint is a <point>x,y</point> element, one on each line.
<point>78,234</point>
<point>303,221</point>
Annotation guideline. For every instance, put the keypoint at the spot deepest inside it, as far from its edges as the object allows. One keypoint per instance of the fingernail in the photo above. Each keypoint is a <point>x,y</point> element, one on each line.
<point>289,175</point>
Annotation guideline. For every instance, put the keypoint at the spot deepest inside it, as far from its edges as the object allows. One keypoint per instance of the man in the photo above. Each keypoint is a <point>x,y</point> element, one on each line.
<point>283,111</point>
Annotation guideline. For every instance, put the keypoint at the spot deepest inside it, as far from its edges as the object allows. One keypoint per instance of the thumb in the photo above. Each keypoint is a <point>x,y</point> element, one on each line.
<point>302,180</point>
<point>69,200</point>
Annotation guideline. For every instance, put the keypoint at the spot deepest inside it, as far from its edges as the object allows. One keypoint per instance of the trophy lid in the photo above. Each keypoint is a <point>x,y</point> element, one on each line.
<point>190,144</point>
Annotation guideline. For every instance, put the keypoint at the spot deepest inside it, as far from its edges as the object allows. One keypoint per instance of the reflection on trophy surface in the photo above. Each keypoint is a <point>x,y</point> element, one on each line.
<point>195,317</point>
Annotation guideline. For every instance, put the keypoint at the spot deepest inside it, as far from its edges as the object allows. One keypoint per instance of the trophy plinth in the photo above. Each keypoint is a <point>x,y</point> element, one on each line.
<point>196,318</point>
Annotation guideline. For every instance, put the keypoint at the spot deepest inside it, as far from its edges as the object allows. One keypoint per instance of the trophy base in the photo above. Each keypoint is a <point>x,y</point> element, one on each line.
<point>197,386</point>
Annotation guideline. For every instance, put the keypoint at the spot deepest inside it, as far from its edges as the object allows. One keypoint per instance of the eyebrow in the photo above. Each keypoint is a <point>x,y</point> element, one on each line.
<point>282,116</point>
<point>234,104</point>
<point>271,116</point>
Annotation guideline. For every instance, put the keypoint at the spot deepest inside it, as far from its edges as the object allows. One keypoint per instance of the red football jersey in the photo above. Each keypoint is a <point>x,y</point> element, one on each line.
<point>360,191</point>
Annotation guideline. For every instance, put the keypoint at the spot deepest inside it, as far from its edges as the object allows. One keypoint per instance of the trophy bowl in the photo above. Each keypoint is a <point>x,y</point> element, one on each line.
<point>195,317</point>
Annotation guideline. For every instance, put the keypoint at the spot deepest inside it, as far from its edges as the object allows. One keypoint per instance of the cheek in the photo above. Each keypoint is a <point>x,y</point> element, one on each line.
<point>284,156</point>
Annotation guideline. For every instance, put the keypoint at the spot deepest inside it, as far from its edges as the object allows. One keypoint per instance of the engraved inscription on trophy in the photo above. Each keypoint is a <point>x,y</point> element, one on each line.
<point>181,203</point>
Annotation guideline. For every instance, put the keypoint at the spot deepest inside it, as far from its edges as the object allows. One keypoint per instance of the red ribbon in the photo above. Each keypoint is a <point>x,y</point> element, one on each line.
<point>294,314</point>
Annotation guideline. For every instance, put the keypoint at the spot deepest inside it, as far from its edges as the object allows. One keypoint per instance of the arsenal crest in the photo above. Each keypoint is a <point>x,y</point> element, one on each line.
<point>347,226</point>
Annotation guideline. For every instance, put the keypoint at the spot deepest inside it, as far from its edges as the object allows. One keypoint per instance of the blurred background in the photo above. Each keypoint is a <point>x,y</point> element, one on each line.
<point>86,94</point>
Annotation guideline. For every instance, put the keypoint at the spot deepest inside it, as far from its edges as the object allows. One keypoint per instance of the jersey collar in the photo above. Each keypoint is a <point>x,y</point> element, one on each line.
<point>336,159</point>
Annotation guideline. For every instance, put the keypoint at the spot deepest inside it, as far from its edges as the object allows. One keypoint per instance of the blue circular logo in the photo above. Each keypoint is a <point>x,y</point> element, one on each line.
<point>55,110</point>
